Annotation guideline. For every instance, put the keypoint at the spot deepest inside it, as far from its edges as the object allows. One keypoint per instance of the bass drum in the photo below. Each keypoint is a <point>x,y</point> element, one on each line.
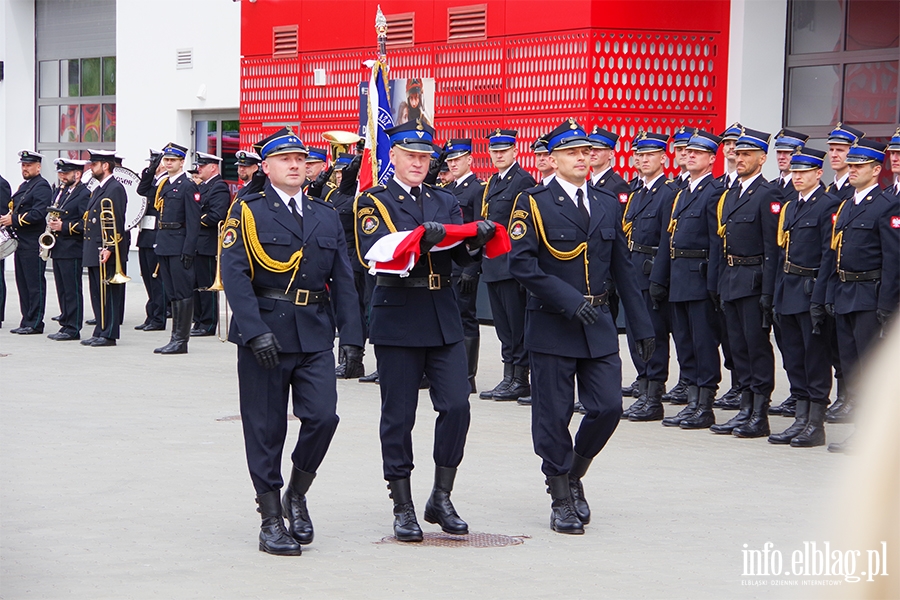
<point>136,205</point>
<point>8,242</point>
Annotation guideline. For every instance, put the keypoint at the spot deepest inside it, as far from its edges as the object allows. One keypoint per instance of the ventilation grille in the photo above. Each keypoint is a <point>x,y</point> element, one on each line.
<point>400,29</point>
<point>467,22</point>
<point>184,58</point>
<point>284,42</point>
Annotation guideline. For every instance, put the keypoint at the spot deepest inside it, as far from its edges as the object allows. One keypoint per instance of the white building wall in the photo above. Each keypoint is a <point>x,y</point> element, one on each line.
<point>17,88</point>
<point>154,99</point>
<point>756,68</point>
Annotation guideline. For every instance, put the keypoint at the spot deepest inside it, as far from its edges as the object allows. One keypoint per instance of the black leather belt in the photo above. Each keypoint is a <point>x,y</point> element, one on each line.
<point>432,282</point>
<point>743,261</point>
<point>793,269</point>
<point>170,225</point>
<point>599,300</point>
<point>642,248</point>
<point>296,297</point>
<point>684,253</point>
<point>859,275</point>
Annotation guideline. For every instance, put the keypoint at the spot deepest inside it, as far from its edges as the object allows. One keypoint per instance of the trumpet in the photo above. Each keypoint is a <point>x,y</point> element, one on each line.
<point>48,239</point>
<point>217,284</point>
<point>110,238</point>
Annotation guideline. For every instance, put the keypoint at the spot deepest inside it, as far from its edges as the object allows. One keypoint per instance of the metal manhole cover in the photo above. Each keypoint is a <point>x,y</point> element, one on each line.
<point>472,540</point>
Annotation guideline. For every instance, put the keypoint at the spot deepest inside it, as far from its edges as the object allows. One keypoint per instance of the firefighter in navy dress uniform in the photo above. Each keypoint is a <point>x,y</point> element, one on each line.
<point>416,328</point>
<point>288,281</point>
<point>567,243</point>
<point>149,186</point>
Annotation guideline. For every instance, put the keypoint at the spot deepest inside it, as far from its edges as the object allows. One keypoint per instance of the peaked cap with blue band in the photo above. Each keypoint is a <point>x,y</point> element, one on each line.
<point>751,139</point>
<point>283,141</point>
<point>844,134</point>
<point>601,138</point>
<point>343,161</point>
<point>458,147</point>
<point>647,142</point>
<point>682,136</point>
<point>704,141</point>
<point>501,139</point>
<point>173,150</point>
<point>317,155</point>
<point>866,151</point>
<point>732,133</point>
<point>807,159</point>
<point>413,136</point>
<point>790,140</point>
<point>569,134</point>
<point>894,144</point>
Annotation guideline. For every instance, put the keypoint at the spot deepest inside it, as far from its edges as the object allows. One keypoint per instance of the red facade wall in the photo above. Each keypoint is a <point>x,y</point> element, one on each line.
<point>627,66</point>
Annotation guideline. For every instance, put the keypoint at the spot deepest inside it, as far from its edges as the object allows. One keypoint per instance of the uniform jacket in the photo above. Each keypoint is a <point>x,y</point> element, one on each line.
<point>323,264</point>
<point>29,211</point>
<point>787,190</point>
<point>343,205</point>
<point>693,225</point>
<point>71,206</point>
<point>93,238</point>
<point>843,192</point>
<point>682,180</point>
<point>469,196</point>
<point>147,188</point>
<point>556,286</point>
<point>496,205</point>
<point>867,237</point>
<point>215,197</point>
<point>648,214</point>
<point>405,316</point>
<point>750,222</point>
<point>181,204</point>
<point>808,245</point>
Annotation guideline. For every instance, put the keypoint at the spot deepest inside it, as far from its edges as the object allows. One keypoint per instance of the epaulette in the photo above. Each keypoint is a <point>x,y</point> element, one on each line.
<point>672,185</point>
<point>374,189</point>
<point>253,196</point>
<point>535,189</point>
<point>322,202</point>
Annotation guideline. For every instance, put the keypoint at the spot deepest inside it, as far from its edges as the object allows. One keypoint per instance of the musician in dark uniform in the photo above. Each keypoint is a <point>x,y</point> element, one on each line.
<point>66,212</point>
<point>567,242</point>
<point>839,142</point>
<point>253,178</point>
<point>680,274</point>
<point>215,198</point>
<point>645,218</point>
<point>806,260</point>
<point>27,220</point>
<point>178,203</point>
<point>468,190</point>
<point>506,296</point>
<point>747,216</point>
<point>155,308</point>
<point>416,328</point>
<point>5,196</point>
<point>107,299</point>
<point>288,280</point>
<point>864,289</point>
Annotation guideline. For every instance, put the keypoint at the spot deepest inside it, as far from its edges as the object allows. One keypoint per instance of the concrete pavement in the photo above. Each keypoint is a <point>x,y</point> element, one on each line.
<point>123,477</point>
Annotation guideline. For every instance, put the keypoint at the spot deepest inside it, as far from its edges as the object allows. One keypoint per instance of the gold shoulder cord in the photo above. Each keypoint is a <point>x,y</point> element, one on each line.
<point>627,225</point>
<point>157,200</point>
<point>837,237</point>
<point>559,254</point>
<point>784,237</point>
<point>385,216</point>
<point>673,222</point>
<point>720,230</point>
<point>484,206</point>
<point>255,249</point>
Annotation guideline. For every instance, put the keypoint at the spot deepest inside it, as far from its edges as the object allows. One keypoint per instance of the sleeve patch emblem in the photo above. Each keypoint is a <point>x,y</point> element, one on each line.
<point>834,217</point>
<point>520,214</point>
<point>518,229</point>
<point>623,198</point>
<point>775,207</point>
<point>232,222</point>
<point>196,197</point>
<point>370,224</point>
<point>895,222</point>
<point>368,210</point>
<point>229,238</point>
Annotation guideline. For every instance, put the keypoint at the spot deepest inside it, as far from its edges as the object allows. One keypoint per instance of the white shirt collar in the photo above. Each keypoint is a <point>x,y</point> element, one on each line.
<point>596,177</point>
<point>548,179</point>
<point>861,195</point>
<point>463,178</point>
<point>786,179</point>
<point>649,185</point>
<point>504,173</point>
<point>809,195</point>
<point>571,190</point>
<point>684,175</point>
<point>839,183</point>
<point>105,179</point>
<point>175,176</point>
<point>731,177</point>
<point>693,184</point>
<point>286,198</point>
<point>407,188</point>
<point>746,183</point>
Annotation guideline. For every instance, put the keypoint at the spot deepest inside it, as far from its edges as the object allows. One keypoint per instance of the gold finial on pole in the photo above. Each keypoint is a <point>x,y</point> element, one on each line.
<point>381,29</point>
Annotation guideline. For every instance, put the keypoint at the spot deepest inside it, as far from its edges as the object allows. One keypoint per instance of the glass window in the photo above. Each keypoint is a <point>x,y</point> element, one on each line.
<point>873,24</point>
<point>48,121</point>
<point>816,25</point>
<point>870,92</point>
<point>69,76</point>
<point>69,117</point>
<point>90,77</point>
<point>109,122</point>
<point>230,145</point>
<point>815,92</point>
<point>109,76</point>
<point>49,77</point>
<point>90,123</point>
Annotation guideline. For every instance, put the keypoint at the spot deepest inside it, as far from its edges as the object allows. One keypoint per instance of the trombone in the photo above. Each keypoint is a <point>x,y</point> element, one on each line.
<point>217,284</point>
<point>110,237</point>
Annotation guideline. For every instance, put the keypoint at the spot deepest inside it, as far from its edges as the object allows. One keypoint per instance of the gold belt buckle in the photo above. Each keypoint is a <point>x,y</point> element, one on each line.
<point>305,295</point>
<point>631,246</point>
<point>671,252</point>
<point>842,275</point>
<point>787,267</point>
<point>730,260</point>
<point>434,281</point>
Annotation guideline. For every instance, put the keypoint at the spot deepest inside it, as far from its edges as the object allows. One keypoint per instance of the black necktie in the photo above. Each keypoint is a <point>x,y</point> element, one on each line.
<point>582,207</point>
<point>295,210</point>
<point>416,192</point>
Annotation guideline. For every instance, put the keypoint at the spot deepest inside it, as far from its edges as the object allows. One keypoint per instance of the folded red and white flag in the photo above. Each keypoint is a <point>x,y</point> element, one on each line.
<point>398,252</point>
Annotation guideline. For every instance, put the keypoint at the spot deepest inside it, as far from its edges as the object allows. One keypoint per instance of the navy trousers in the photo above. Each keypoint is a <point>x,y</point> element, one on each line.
<point>508,299</point>
<point>751,350</point>
<point>809,369</point>
<point>693,330</point>
<point>68,277</point>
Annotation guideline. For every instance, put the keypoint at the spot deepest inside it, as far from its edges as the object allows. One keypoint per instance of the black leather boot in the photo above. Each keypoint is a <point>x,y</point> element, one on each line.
<point>814,433</point>
<point>758,424</point>
<point>563,518</point>
<point>742,417</point>
<point>631,391</point>
<point>294,504</point>
<point>518,387</point>
<point>406,527</point>
<point>472,345</point>
<point>652,410</point>
<point>801,417</point>
<point>508,369</point>
<point>370,378</point>
<point>641,399</point>
<point>843,413</point>
<point>730,400</point>
<point>580,466</point>
<point>703,417</point>
<point>693,394</point>
<point>341,367</point>
<point>439,509</point>
<point>786,408</point>
<point>678,394</point>
<point>273,538</point>
<point>182,313</point>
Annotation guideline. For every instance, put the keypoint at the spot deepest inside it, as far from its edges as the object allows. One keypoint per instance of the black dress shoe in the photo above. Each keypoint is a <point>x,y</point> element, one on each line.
<point>15,330</point>
<point>140,327</point>
<point>370,378</point>
<point>30,330</point>
<point>91,322</point>
<point>154,327</point>
<point>56,318</point>
<point>201,333</point>
<point>88,341</point>
<point>524,401</point>
<point>102,341</point>
<point>64,336</point>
